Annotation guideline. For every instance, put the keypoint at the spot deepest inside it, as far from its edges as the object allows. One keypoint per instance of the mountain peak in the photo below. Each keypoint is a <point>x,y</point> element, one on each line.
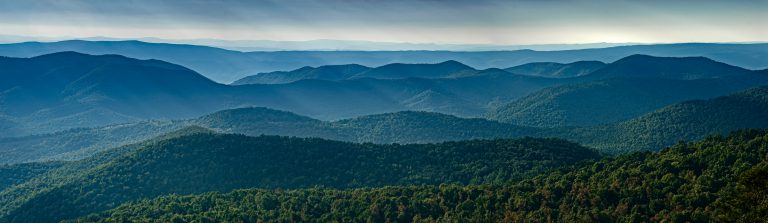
<point>454,63</point>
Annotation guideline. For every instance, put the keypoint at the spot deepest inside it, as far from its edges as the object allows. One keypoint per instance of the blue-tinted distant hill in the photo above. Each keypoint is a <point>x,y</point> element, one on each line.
<point>326,72</point>
<point>557,70</point>
<point>225,66</point>
<point>447,69</point>
<point>68,89</point>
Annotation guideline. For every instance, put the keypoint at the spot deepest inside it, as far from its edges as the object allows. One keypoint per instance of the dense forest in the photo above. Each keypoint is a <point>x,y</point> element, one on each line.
<point>202,162</point>
<point>18,173</point>
<point>718,179</point>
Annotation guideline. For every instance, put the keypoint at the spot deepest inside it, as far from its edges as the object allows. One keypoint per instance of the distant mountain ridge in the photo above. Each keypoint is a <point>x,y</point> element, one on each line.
<point>445,69</point>
<point>327,72</point>
<point>685,68</point>
<point>557,70</point>
<point>226,66</point>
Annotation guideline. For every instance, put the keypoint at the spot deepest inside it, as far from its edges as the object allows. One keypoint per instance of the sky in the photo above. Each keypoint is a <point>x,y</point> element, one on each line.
<point>412,21</point>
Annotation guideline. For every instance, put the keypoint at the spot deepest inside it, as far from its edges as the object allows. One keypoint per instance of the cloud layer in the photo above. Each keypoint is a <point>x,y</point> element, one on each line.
<point>452,21</point>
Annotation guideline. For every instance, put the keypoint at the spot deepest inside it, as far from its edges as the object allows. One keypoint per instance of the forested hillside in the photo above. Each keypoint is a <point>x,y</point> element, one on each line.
<point>613,100</point>
<point>690,120</point>
<point>196,163</point>
<point>18,173</point>
<point>719,179</point>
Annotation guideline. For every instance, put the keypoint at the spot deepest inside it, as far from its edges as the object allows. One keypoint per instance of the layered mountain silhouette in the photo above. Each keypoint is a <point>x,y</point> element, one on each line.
<point>170,164</point>
<point>689,120</point>
<point>225,66</point>
<point>399,127</point>
<point>66,90</point>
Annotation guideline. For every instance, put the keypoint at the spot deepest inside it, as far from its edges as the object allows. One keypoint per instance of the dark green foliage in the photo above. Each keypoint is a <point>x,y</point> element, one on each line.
<point>210,162</point>
<point>557,70</point>
<point>683,183</point>
<point>748,200</point>
<point>70,172</point>
<point>17,173</point>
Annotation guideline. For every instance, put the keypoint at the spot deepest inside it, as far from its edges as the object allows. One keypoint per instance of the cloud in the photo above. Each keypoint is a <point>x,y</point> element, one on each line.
<point>481,21</point>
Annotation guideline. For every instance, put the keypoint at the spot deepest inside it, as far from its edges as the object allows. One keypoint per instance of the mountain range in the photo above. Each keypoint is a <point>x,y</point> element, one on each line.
<point>432,138</point>
<point>60,91</point>
<point>226,66</point>
<point>68,90</point>
<point>690,120</point>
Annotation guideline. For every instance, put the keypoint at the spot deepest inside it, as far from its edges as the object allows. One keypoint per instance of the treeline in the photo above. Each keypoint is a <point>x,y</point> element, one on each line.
<point>719,179</point>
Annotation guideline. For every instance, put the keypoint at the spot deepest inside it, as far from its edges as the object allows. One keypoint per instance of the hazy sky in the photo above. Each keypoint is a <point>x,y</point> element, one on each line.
<point>419,21</point>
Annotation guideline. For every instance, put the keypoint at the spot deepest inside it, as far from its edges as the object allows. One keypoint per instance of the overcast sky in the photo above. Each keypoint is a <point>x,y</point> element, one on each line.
<point>417,21</point>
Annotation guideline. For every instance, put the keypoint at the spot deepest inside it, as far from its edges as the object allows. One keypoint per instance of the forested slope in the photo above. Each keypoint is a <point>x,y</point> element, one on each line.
<point>204,162</point>
<point>718,179</point>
